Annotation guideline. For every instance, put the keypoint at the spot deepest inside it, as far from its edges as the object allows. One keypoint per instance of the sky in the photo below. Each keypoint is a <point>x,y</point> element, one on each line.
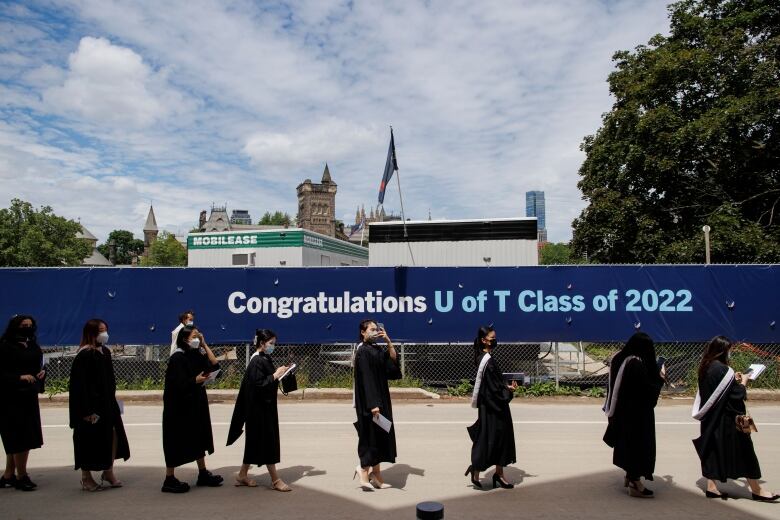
<point>108,106</point>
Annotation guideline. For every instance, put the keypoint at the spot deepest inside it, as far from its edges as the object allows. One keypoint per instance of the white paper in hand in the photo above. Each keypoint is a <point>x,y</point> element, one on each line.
<point>288,371</point>
<point>755,370</point>
<point>212,377</point>
<point>383,422</point>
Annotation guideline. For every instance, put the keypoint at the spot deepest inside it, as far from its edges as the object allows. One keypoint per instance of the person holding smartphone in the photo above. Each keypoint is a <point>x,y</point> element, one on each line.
<point>256,408</point>
<point>21,372</point>
<point>98,432</point>
<point>492,435</point>
<point>186,420</point>
<point>724,450</point>
<point>374,364</point>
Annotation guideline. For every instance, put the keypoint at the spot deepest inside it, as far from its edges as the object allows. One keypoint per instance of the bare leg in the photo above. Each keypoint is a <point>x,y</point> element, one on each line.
<point>109,473</point>
<point>87,480</point>
<point>756,488</point>
<point>201,463</point>
<point>20,460</point>
<point>242,473</point>
<point>277,483</point>
<point>712,487</point>
<point>169,472</point>
<point>377,471</point>
<point>10,466</point>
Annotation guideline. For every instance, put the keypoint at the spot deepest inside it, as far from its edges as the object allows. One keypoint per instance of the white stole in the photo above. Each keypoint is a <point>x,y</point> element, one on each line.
<point>698,412</point>
<point>478,382</point>
<point>610,405</point>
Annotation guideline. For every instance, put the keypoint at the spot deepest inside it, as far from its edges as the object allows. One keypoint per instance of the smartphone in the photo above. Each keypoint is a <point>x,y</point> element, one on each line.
<point>380,326</point>
<point>661,361</point>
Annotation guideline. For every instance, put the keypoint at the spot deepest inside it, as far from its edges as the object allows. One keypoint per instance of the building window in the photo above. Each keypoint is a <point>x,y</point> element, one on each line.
<point>241,259</point>
<point>324,260</point>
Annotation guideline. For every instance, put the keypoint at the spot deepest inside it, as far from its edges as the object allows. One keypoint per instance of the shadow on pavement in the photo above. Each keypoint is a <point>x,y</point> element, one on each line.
<point>590,496</point>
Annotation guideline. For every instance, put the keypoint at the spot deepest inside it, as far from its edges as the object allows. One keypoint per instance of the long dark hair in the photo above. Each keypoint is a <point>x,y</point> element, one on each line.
<point>478,346</point>
<point>182,339</point>
<point>716,350</point>
<point>263,336</point>
<point>363,326</point>
<point>90,331</point>
<point>641,345</point>
<point>13,327</point>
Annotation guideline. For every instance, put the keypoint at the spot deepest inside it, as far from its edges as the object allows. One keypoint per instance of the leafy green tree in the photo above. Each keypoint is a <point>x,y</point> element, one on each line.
<point>126,246</point>
<point>558,254</point>
<point>166,251</point>
<point>39,238</point>
<point>276,219</point>
<point>692,139</point>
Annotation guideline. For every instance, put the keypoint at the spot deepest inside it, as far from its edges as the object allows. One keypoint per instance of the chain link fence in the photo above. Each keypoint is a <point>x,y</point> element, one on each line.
<point>584,365</point>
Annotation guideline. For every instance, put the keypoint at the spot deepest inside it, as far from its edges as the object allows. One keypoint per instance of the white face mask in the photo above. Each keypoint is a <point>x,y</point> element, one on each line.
<point>189,323</point>
<point>195,343</point>
<point>102,338</point>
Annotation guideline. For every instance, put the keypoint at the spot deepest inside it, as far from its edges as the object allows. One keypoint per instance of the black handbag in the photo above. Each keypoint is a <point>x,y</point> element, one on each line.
<point>289,383</point>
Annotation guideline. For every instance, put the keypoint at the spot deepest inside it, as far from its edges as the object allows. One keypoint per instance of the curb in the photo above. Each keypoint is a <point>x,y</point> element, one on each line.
<point>222,396</point>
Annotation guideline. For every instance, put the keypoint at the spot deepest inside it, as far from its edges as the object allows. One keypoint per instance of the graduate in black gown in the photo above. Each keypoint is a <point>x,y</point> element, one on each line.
<point>21,376</point>
<point>256,408</point>
<point>186,421</point>
<point>492,435</point>
<point>635,382</point>
<point>725,452</point>
<point>98,433</point>
<point>375,363</point>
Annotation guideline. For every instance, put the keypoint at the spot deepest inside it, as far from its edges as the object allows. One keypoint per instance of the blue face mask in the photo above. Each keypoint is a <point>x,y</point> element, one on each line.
<point>269,349</point>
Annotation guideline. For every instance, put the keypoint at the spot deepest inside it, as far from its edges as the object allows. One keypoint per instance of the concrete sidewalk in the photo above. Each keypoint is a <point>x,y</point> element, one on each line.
<point>563,471</point>
<point>397,394</point>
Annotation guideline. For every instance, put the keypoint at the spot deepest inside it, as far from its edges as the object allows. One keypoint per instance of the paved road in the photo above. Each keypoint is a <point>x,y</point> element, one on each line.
<point>563,470</point>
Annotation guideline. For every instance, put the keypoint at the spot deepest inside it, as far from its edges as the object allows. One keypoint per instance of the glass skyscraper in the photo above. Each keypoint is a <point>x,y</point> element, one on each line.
<point>534,207</point>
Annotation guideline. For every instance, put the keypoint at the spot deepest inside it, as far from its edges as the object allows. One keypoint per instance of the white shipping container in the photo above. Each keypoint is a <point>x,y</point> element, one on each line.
<point>454,243</point>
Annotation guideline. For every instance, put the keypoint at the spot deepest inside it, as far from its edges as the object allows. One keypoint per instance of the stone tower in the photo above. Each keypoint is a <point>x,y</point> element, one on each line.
<point>317,205</point>
<point>150,231</point>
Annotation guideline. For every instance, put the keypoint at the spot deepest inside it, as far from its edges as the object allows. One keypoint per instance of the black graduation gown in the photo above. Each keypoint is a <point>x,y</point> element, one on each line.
<point>20,416</point>
<point>256,407</point>
<point>631,430</point>
<point>373,365</point>
<point>92,390</point>
<point>724,451</point>
<point>493,435</point>
<point>186,420</point>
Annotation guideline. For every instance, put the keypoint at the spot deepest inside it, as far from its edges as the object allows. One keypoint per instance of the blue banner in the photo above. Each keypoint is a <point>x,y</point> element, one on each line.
<point>324,305</point>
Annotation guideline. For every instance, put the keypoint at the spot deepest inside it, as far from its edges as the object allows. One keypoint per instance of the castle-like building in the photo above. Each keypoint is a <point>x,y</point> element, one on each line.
<point>317,205</point>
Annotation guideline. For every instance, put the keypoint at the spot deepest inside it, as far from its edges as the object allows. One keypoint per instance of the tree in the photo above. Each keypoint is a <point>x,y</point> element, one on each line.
<point>166,251</point>
<point>277,219</point>
<point>39,238</point>
<point>692,139</point>
<point>126,246</point>
<point>557,254</point>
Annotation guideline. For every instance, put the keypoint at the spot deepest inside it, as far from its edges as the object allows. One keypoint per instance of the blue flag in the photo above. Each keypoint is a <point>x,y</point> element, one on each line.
<point>391,165</point>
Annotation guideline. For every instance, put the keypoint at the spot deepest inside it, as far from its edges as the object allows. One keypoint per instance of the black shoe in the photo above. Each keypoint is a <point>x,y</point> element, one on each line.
<point>633,490</point>
<point>474,481</point>
<point>25,484</point>
<point>710,494</point>
<point>174,485</point>
<point>8,482</point>
<point>759,498</point>
<point>206,478</point>
<point>498,480</point>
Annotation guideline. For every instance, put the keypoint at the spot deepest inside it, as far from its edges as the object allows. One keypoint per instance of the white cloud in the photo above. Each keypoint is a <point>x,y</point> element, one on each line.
<point>331,139</point>
<point>109,84</point>
<point>189,102</point>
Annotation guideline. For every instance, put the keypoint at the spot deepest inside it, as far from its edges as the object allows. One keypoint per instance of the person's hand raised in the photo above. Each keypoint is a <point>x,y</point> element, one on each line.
<point>200,378</point>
